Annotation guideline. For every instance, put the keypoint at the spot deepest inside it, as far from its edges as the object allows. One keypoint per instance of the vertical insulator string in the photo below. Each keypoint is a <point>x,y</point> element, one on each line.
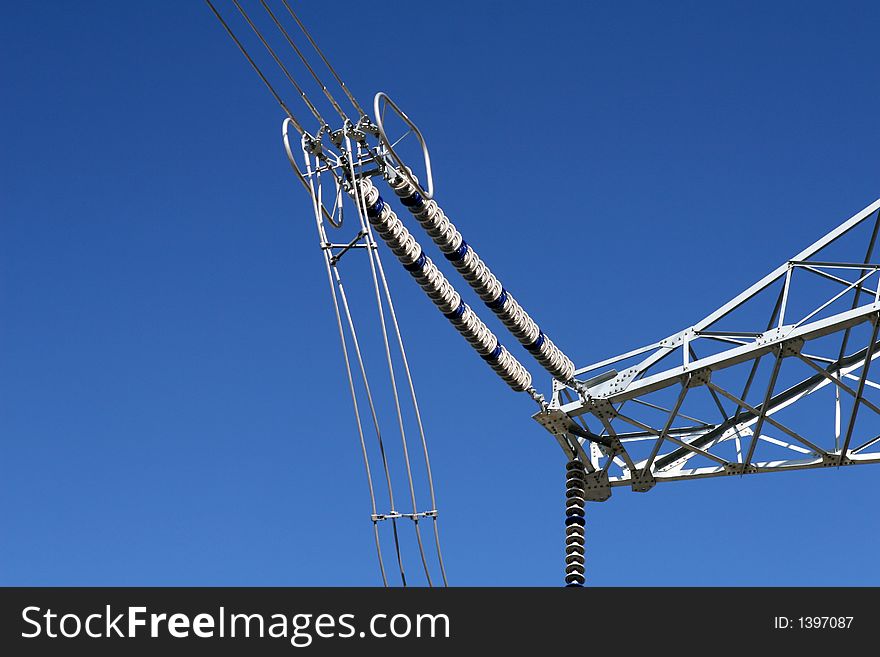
<point>575,500</point>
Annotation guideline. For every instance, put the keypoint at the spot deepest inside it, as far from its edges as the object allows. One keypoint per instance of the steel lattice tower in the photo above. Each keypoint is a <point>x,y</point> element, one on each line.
<point>776,379</point>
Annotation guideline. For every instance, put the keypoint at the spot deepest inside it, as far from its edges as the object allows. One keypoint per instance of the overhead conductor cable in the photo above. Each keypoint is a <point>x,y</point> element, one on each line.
<point>290,117</point>
<point>296,124</point>
<point>324,59</point>
<point>302,94</point>
<point>305,61</point>
<point>496,354</point>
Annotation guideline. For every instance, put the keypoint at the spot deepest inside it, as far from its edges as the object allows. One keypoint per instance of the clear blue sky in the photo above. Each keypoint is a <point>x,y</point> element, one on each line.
<point>171,404</point>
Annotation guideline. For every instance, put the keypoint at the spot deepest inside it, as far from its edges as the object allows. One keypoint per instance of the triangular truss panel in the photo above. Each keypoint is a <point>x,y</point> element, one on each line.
<point>778,378</point>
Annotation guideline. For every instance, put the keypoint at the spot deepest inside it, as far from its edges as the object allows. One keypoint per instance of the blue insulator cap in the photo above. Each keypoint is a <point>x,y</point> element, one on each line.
<point>459,253</point>
<point>458,312</point>
<point>498,304</point>
<point>574,520</point>
<point>414,199</point>
<point>376,209</point>
<point>496,352</point>
<point>536,345</point>
<point>418,264</point>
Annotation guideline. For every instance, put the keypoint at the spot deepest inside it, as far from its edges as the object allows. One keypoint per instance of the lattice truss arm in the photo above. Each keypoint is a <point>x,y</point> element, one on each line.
<point>777,379</point>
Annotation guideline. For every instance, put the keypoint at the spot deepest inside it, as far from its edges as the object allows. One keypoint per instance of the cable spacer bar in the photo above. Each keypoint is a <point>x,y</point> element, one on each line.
<point>335,258</point>
<point>385,516</point>
<point>375,517</point>
<point>422,514</point>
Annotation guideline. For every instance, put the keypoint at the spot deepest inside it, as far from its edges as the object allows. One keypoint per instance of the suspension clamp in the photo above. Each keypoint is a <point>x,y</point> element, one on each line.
<point>376,517</point>
<point>311,144</point>
<point>355,132</point>
<point>336,137</point>
<point>364,124</point>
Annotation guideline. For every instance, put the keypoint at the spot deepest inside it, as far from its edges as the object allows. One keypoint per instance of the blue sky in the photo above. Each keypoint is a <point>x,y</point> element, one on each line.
<point>172,407</point>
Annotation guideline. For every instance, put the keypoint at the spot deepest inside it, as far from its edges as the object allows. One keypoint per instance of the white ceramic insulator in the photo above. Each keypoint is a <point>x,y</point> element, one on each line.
<point>401,242</point>
<point>445,235</point>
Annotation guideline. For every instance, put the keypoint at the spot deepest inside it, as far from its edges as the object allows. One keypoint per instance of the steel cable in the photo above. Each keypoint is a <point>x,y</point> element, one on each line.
<point>365,226</point>
<point>305,98</point>
<point>256,68</point>
<point>368,391</point>
<point>302,57</point>
<point>324,59</point>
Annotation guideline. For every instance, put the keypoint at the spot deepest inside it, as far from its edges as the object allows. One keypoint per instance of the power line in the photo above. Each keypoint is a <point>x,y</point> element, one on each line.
<point>305,62</point>
<point>305,98</point>
<point>323,161</point>
<point>268,84</point>
<point>321,54</point>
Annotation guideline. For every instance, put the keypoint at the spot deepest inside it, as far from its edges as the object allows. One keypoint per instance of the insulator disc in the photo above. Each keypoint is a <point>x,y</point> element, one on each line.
<point>575,579</point>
